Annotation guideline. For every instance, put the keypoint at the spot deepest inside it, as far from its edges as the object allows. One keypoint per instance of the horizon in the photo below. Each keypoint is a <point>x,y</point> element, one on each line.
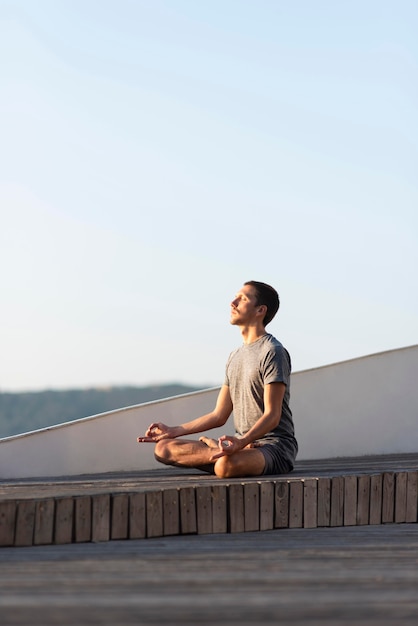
<point>198,387</point>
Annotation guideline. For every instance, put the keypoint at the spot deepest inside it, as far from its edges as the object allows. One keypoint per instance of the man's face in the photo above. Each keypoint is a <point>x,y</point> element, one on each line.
<point>244,306</point>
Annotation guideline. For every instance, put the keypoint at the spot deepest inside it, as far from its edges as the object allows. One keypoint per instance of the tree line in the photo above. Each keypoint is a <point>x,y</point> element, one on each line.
<point>27,411</point>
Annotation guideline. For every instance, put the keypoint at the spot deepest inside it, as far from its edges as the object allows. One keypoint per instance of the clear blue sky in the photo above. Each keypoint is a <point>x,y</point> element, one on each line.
<point>155,154</point>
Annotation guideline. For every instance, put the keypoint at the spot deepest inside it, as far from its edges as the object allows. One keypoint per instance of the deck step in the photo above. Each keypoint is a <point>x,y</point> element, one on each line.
<point>140,510</point>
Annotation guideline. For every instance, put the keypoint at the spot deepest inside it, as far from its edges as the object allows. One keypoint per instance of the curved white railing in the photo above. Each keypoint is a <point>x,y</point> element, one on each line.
<point>364,406</point>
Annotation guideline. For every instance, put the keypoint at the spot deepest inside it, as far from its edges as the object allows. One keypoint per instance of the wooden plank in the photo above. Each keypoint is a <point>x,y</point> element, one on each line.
<point>204,510</point>
<point>188,517</point>
<point>392,497</point>
<point>365,576</point>
<point>350,500</point>
<point>376,499</point>
<point>100,522</point>
<point>388,498</point>
<point>171,512</point>
<point>25,523</point>
<point>219,509</point>
<point>82,519</point>
<point>7,522</point>
<point>281,504</point>
<point>44,522</point>
<point>324,501</point>
<point>412,498</point>
<point>251,507</point>
<point>363,504</point>
<point>337,501</point>
<point>400,497</point>
<point>137,516</point>
<point>296,504</point>
<point>119,516</point>
<point>154,512</point>
<point>236,508</point>
<point>310,503</point>
<point>64,519</point>
<point>266,505</point>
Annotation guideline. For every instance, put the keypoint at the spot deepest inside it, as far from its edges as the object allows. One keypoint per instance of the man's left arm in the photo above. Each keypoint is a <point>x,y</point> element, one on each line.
<point>273,400</point>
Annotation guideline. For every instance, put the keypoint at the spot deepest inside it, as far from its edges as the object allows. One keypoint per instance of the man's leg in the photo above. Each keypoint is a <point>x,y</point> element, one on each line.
<point>198,454</point>
<point>186,452</point>
<point>246,462</point>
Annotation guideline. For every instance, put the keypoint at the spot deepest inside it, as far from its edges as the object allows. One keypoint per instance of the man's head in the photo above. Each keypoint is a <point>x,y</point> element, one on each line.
<point>266,295</point>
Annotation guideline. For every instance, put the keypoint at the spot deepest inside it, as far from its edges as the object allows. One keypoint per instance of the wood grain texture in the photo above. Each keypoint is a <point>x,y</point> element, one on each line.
<point>296,504</point>
<point>119,516</point>
<point>64,520</point>
<point>412,497</point>
<point>251,506</point>
<point>376,498</point>
<point>366,491</point>
<point>337,501</point>
<point>44,522</point>
<point>82,519</point>
<point>310,503</point>
<point>324,501</point>
<point>219,509</point>
<point>281,504</point>
<point>188,518</point>
<point>100,530</point>
<point>363,500</point>
<point>154,513</point>
<point>400,497</point>
<point>204,509</point>
<point>236,508</point>
<point>137,516</point>
<point>267,505</point>
<point>352,575</point>
<point>388,498</point>
<point>25,523</point>
<point>350,500</point>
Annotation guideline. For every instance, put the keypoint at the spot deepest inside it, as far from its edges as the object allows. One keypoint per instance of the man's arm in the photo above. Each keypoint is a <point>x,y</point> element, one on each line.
<point>214,419</point>
<point>273,400</point>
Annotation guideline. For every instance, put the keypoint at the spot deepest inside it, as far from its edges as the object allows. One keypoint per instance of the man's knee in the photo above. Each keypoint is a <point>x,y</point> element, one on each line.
<point>224,468</point>
<point>162,451</point>
<point>240,465</point>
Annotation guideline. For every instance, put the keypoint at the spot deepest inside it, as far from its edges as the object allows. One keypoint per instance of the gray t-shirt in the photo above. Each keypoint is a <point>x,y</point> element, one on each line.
<point>249,368</point>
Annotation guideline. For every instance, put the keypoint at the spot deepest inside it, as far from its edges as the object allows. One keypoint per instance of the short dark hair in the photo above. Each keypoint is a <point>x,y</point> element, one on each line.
<point>268,296</point>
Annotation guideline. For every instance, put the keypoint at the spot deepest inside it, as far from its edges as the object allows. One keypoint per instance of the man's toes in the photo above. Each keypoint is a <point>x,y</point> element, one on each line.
<point>211,443</point>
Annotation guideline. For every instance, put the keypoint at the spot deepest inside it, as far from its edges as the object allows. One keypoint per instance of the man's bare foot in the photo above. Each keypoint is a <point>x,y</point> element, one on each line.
<point>211,443</point>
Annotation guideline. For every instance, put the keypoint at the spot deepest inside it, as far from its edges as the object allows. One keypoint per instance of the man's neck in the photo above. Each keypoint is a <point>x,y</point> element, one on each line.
<point>252,333</point>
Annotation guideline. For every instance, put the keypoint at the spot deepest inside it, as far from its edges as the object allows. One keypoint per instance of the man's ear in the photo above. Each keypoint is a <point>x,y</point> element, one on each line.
<point>262,309</point>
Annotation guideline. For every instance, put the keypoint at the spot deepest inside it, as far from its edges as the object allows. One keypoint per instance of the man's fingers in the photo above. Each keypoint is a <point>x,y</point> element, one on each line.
<point>217,456</point>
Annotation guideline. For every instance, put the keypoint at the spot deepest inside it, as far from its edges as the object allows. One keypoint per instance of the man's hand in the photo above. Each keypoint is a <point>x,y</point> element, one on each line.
<point>156,432</point>
<point>228,445</point>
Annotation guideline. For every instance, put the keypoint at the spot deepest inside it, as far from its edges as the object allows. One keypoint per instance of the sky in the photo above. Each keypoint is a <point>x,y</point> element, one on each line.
<point>157,154</point>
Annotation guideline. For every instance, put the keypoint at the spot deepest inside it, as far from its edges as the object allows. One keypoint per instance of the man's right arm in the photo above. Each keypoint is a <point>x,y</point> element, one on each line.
<point>214,419</point>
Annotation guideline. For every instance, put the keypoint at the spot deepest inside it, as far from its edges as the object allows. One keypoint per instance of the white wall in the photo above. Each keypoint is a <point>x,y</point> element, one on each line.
<point>363,406</point>
<point>102,443</point>
<point>359,407</point>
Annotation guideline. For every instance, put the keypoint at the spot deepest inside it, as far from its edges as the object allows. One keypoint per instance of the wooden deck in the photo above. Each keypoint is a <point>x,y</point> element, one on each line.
<point>327,493</point>
<point>357,575</point>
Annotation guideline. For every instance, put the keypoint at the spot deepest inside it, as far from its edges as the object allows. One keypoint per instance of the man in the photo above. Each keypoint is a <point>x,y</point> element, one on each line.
<point>256,388</point>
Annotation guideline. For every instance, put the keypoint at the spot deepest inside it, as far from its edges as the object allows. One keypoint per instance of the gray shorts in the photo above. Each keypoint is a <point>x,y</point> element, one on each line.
<point>279,456</point>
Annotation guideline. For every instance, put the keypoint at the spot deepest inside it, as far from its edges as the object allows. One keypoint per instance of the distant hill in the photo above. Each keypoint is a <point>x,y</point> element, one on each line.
<point>23,412</point>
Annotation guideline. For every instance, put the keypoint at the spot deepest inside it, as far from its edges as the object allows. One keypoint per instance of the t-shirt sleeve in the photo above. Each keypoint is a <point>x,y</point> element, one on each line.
<point>226,378</point>
<point>276,366</point>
